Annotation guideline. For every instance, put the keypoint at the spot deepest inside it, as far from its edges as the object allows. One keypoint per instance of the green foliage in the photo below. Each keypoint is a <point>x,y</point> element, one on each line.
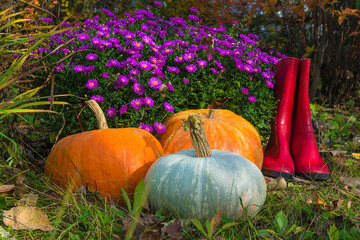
<point>205,86</point>
<point>17,54</point>
<point>337,128</point>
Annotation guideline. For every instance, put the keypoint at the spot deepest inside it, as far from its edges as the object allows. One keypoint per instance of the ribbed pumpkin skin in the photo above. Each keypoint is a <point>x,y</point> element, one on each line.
<point>201,187</point>
<point>103,160</point>
<point>227,131</point>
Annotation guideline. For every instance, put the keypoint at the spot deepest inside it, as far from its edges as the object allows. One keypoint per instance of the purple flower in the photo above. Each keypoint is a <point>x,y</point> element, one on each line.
<point>144,28</point>
<point>269,84</point>
<point>97,98</point>
<point>252,99</point>
<point>159,127</point>
<point>114,40</point>
<point>173,70</point>
<point>168,107</point>
<point>266,75</point>
<point>129,35</point>
<point>214,70</point>
<point>250,62</point>
<point>91,57</point>
<point>146,127</point>
<point>171,87</point>
<point>149,101</point>
<point>134,72</point>
<point>123,79</point>
<point>151,22</point>
<point>138,89</point>
<point>95,41</point>
<point>65,50</point>
<point>123,109</point>
<point>46,20</point>
<point>179,59</point>
<point>157,3</point>
<point>147,40</point>
<point>193,10</point>
<point>105,75</point>
<point>191,68</point>
<point>59,67</point>
<point>245,90</point>
<point>201,63</point>
<point>193,17</point>
<point>136,103</point>
<point>111,112</point>
<point>185,80</point>
<point>248,68</point>
<point>137,45</point>
<point>155,83</point>
<point>145,65</point>
<point>189,56</point>
<point>240,66</point>
<point>83,37</point>
<point>234,22</point>
<point>79,68</point>
<point>92,83</point>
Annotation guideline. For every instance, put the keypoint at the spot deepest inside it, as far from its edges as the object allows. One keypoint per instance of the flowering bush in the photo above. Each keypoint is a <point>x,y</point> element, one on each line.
<point>141,68</point>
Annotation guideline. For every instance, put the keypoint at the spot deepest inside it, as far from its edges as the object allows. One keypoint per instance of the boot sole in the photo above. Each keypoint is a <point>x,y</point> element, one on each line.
<point>313,176</point>
<point>273,173</point>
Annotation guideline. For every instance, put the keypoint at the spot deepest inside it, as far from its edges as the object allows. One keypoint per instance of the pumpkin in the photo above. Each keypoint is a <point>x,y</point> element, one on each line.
<point>224,129</point>
<point>200,182</point>
<point>103,160</point>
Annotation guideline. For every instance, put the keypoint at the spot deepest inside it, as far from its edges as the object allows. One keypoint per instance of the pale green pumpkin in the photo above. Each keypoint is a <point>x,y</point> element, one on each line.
<point>200,187</point>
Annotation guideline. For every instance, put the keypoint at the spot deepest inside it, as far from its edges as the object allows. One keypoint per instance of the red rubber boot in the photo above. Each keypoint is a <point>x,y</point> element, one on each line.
<point>277,160</point>
<point>304,151</point>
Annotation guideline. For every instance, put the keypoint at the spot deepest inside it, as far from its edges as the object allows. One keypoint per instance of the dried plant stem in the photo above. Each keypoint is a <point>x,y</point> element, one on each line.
<point>198,137</point>
<point>100,117</point>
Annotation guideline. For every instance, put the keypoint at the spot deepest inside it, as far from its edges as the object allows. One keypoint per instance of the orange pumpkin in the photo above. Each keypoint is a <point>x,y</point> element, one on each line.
<point>104,160</point>
<point>224,129</point>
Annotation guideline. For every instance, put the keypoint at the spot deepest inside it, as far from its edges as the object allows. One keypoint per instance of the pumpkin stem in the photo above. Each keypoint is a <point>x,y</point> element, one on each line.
<point>100,117</point>
<point>211,113</point>
<point>198,136</point>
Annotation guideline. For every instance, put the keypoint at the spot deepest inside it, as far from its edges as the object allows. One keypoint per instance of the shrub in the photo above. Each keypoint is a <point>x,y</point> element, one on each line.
<point>141,68</point>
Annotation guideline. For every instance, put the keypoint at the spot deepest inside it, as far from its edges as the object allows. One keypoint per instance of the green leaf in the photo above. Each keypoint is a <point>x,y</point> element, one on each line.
<point>198,225</point>
<point>208,228</point>
<point>264,233</point>
<point>333,233</point>
<point>2,202</point>
<point>139,196</point>
<point>281,221</point>
<point>126,199</point>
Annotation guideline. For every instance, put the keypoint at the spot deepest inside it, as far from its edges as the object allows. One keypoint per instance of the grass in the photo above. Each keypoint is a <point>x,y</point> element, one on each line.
<point>304,210</point>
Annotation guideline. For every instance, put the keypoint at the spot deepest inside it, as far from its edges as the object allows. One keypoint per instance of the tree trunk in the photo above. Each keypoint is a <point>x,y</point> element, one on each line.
<point>316,73</point>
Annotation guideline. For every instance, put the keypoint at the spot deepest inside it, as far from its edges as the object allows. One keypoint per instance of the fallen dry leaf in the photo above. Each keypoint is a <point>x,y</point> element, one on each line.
<point>24,217</point>
<point>219,238</point>
<point>318,203</point>
<point>333,153</point>
<point>350,181</point>
<point>3,233</point>
<point>297,179</point>
<point>173,229</point>
<point>150,235</point>
<point>274,184</point>
<point>145,221</point>
<point>115,237</point>
<point>6,189</point>
<point>29,200</point>
<point>215,221</point>
<point>20,186</point>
